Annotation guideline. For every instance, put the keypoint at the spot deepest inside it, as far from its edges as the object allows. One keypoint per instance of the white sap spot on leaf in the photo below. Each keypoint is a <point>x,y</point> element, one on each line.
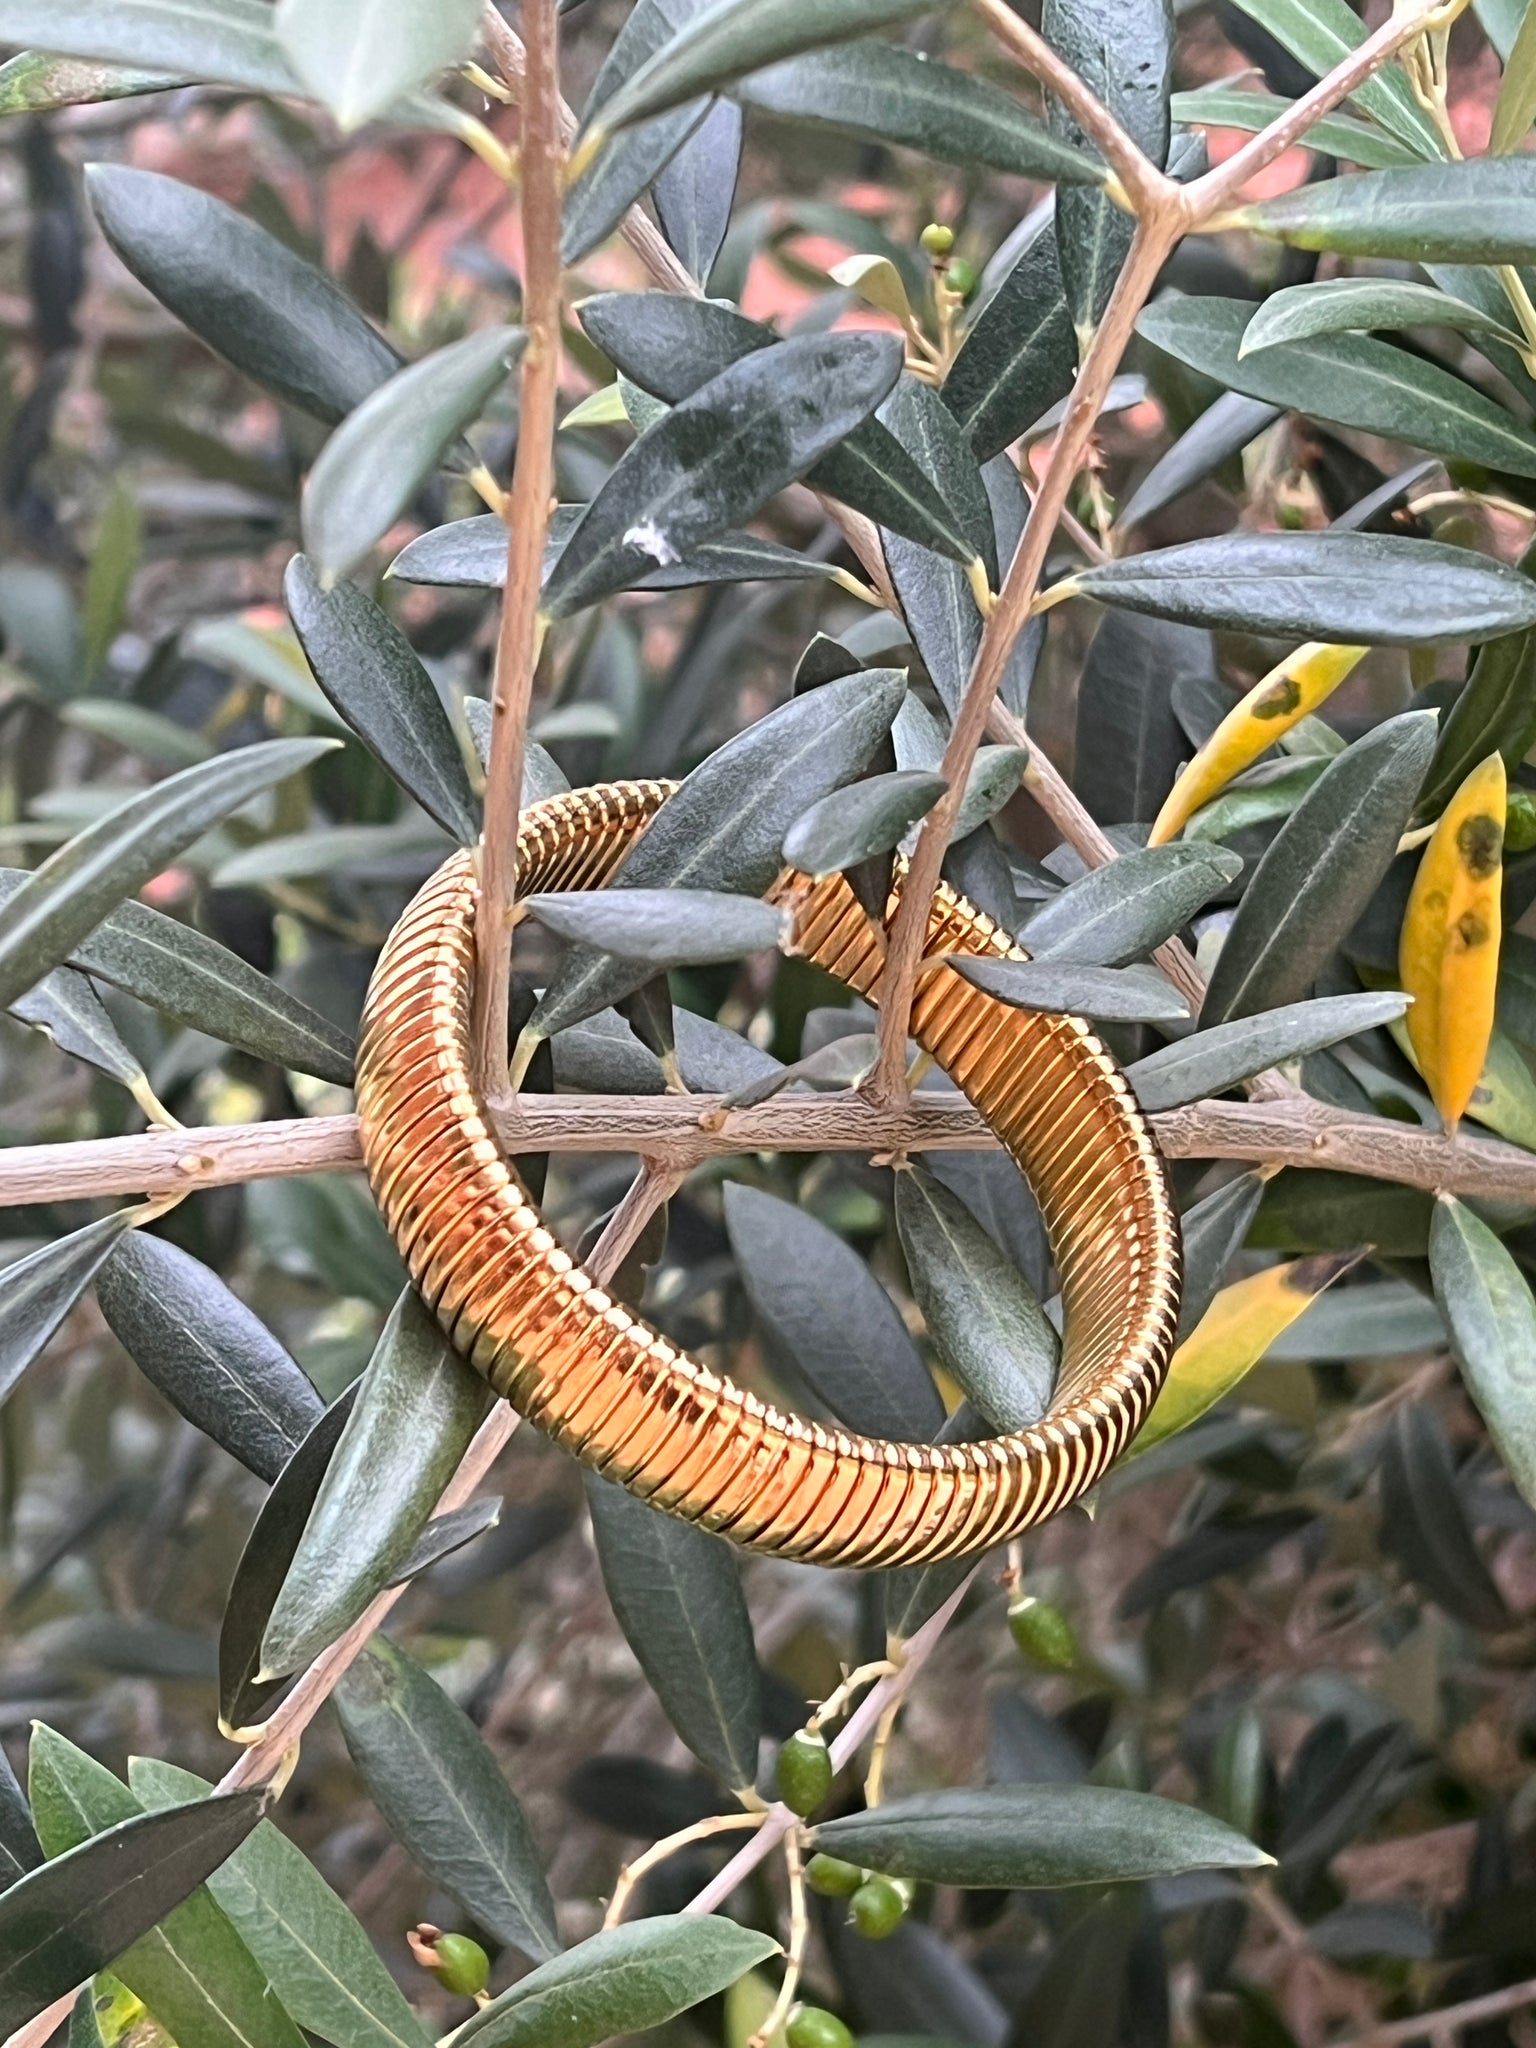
<point>649,538</point>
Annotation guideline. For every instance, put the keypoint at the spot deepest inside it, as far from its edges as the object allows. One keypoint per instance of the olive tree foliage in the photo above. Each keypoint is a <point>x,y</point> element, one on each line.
<point>883,416</point>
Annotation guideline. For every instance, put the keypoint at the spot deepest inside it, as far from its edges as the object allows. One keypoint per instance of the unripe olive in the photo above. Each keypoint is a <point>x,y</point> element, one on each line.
<point>961,278</point>
<point>1043,1633</point>
<point>1520,821</point>
<point>462,1965</point>
<point>878,1908</point>
<point>832,1877</point>
<point>805,1772</point>
<point>813,2027</point>
<point>937,240</point>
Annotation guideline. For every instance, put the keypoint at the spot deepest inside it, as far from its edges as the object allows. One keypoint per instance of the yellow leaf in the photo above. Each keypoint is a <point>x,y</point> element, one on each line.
<point>1233,1335</point>
<point>1448,955</point>
<point>1283,699</point>
<point>878,282</point>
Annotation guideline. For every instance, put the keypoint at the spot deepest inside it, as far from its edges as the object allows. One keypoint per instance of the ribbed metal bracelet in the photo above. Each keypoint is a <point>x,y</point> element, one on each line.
<point>588,1372</point>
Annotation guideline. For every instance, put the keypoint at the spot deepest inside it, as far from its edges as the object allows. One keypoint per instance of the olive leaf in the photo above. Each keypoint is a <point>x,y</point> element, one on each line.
<point>1319,872</point>
<point>733,37</point>
<point>1210,1062</point>
<point>1343,305</point>
<point>866,818</point>
<point>1351,379</point>
<point>819,1302</point>
<point>1128,907</point>
<point>670,346</point>
<point>386,448</point>
<point>718,455</point>
<point>38,1290</point>
<point>1122,50</point>
<point>100,1899</point>
<point>983,1317</point>
<point>627,163</point>
<point>416,1411</point>
<point>1019,355</point>
<point>662,928</point>
<point>1028,1836</point>
<point>216,1362</point>
<point>263,1567</point>
<point>1492,1319</point>
<point>694,189</point>
<point>359,56</point>
<point>1473,212</point>
<point>1321,586</point>
<point>1124,995</point>
<point>61,902</point>
<point>1213,1232</point>
<point>889,94</point>
<point>66,1008</point>
<point>472,554</point>
<point>621,1981</point>
<point>676,1593</point>
<point>430,1774</point>
<point>369,671</point>
<point>239,288</point>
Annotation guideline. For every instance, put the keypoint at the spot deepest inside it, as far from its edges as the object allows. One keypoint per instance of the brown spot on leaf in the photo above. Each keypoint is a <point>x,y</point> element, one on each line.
<point>1279,700</point>
<point>1480,843</point>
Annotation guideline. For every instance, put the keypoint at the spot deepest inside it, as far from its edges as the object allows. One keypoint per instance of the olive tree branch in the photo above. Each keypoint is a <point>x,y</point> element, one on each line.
<point>1155,237</point>
<point>1165,211</point>
<point>269,1749</point>
<point>676,1133</point>
<point>521,630</point>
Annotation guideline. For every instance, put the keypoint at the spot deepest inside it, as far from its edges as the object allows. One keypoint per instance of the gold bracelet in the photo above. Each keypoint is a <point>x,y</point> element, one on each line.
<point>590,1374</point>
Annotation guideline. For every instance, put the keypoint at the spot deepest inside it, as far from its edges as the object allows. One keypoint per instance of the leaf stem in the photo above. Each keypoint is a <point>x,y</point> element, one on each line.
<point>799,1937</point>
<point>527,510</point>
<point>705,1830</point>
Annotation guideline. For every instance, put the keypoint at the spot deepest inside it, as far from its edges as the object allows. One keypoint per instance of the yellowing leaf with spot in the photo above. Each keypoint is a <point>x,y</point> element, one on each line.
<point>878,282</point>
<point>1448,956</point>
<point>1284,698</point>
<point>1233,1335</point>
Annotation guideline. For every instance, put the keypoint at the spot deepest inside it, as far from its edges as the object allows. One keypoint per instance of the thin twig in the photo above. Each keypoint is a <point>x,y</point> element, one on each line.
<point>652,1187</point>
<point>671,275</point>
<point>705,1830</point>
<point>1145,185</point>
<point>1452,2020</point>
<point>1154,238</point>
<point>1219,186</point>
<point>521,631</point>
<point>862,1722</point>
<point>1296,1131</point>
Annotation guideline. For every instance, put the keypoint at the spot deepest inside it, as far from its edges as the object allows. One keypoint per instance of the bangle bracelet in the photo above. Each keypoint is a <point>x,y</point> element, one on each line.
<point>592,1375</point>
